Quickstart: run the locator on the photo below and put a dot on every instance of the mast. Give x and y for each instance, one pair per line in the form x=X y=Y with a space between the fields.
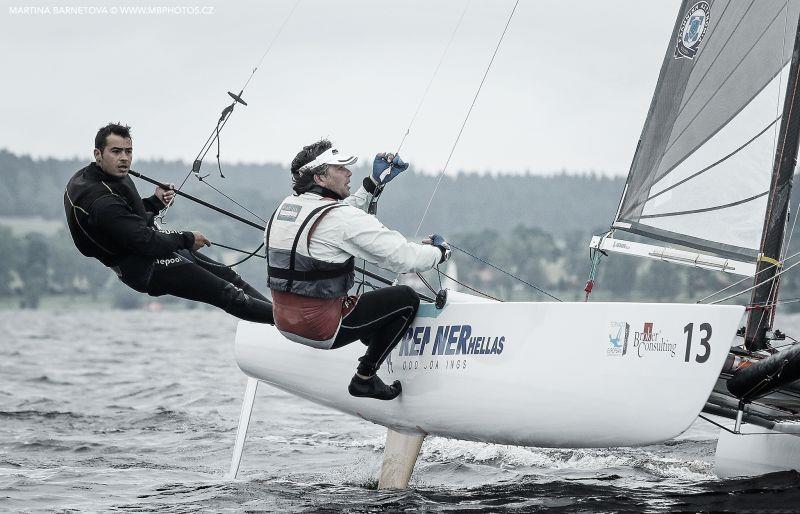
x=762 y=302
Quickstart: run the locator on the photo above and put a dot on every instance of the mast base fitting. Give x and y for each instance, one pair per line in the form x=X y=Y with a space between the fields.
x=776 y=335
x=441 y=298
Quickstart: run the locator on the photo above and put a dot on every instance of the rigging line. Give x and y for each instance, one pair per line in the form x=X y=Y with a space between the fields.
x=773 y=289
x=426 y=283
x=226 y=113
x=466 y=118
x=740 y=433
x=715 y=423
x=774 y=277
x=271 y=43
x=782 y=261
x=232 y=200
x=254 y=253
x=710 y=166
x=504 y=271
x=433 y=77
x=704 y=209
x=470 y=288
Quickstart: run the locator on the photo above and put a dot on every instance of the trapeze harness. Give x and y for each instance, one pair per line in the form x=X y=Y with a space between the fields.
x=309 y=295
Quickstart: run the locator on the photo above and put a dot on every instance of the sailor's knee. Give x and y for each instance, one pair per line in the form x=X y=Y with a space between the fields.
x=231 y=295
x=409 y=296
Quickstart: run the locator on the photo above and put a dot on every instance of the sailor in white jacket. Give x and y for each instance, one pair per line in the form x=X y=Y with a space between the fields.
x=312 y=240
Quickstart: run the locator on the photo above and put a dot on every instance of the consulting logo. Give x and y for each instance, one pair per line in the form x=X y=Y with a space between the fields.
x=618 y=338
x=692 y=31
x=650 y=341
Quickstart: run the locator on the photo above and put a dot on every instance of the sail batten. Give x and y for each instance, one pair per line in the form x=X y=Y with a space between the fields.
x=703 y=164
x=704 y=209
x=709 y=167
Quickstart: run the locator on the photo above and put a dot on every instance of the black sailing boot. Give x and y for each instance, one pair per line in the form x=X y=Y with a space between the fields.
x=373 y=387
x=245 y=307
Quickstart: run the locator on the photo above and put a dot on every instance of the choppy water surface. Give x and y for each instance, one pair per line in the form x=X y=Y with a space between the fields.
x=137 y=411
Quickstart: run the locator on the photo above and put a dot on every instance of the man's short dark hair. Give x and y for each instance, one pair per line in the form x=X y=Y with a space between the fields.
x=112 y=128
x=303 y=182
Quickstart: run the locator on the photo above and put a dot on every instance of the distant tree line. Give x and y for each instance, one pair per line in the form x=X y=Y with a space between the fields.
x=533 y=227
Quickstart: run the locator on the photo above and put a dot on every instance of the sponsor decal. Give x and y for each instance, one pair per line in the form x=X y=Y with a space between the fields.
x=618 y=338
x=167 y=262
x=422 y=348
x=289 y=212
x=648 y=341
x=692 y=31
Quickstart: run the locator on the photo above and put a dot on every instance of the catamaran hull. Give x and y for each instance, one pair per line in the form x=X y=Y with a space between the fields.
x=539 y=374
x=757 y=451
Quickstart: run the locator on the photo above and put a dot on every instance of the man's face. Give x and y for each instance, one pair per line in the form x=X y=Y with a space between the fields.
x=116 y=157
x=337 y=179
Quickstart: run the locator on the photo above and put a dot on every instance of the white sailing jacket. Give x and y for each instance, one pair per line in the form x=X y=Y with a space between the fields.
x=344 y=232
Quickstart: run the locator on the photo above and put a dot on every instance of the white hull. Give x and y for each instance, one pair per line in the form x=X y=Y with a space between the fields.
x=540 y=374
x=757 y=450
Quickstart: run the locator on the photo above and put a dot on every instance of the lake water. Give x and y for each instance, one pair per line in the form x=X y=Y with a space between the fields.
x=137 y=411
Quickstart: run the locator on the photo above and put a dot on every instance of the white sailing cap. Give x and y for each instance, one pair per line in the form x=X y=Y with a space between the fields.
x=331 y=156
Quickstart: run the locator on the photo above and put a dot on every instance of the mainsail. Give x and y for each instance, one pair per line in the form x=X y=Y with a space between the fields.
x=701 y=173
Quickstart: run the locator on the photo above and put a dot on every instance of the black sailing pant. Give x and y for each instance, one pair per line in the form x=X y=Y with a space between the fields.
x=379 y=319
x=196 y=277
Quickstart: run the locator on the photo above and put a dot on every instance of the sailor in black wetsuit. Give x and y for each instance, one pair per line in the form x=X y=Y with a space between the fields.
x=109 y=221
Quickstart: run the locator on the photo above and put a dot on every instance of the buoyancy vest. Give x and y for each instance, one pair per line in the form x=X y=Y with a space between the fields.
x=309 y=295
x=290 y=267
x=85 y=187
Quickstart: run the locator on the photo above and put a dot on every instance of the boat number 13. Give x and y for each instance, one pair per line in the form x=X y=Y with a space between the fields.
x=705 y=332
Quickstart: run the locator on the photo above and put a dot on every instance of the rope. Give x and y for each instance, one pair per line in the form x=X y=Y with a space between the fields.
x=254 y=253
x=774 y=277
x=503 y=271
x=426 y=283
x=468 y=287
x=232 y=200
x=773 y=291
x=466 y=118
x=780 y=263
x=271 y=43
x=595 y=254
x=223 y=120
x=433 y=77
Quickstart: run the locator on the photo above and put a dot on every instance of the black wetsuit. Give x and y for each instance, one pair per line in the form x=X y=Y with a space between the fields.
x=109 y=221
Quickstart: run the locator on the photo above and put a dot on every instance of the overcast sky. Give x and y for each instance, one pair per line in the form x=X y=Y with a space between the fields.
x=570 y=87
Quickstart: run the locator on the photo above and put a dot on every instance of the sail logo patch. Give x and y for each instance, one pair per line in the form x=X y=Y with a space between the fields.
x=618 y=338
x=289 y=212
x=692 y=30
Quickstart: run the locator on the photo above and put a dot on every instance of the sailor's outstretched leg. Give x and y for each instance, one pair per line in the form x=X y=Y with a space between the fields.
x=379 y=319
x=187 y=279
x=244 y=422
x=399 y=457
x=227 y=274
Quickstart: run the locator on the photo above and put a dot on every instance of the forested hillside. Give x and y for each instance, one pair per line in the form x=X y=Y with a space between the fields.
x=534 y=227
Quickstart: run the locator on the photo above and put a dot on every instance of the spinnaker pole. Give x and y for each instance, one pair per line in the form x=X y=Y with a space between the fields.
x=762 y=303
